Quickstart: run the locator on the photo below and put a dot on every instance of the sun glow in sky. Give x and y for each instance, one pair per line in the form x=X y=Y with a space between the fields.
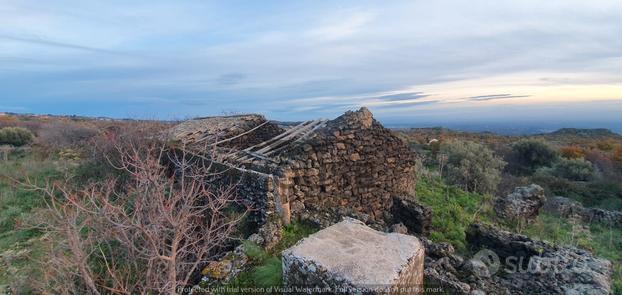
x=428 y=62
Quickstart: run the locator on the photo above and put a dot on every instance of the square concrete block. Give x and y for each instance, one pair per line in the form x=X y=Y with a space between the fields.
x=352 y=258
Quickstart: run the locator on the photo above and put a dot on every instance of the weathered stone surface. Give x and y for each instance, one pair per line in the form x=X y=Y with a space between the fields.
x=504 y=243
x=399 y=228
x=565 y=207
x=437 y=250
x=524 y=203
x=537 y=267
x=566 y=271
x=476 y=268
x=416 y=217
x=351 y=256
x=522 y=266
x=442 y=269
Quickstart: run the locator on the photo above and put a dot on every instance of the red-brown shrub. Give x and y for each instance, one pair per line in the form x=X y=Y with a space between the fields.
x=572 y=152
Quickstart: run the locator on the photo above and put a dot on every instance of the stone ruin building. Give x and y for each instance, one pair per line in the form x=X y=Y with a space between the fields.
x=325 y=170
x=318 y=170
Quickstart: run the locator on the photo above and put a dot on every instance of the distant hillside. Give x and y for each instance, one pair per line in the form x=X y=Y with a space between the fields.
x=517 y=128
x=597 y=132
x=561 y=137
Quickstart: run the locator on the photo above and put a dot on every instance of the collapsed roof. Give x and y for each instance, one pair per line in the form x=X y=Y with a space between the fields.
x=243 y=138
x=214 y=129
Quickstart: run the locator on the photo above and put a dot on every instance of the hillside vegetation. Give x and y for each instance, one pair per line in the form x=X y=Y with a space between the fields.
x=578 y=164
x=458 y=177
x=584 y=165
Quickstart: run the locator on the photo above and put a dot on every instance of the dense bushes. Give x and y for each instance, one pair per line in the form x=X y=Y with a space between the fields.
x=472 y=166
x=65 y=134
x=572 y=152
x=15 y=136
x=531 y=154
x=617 y=155
x=574 y=169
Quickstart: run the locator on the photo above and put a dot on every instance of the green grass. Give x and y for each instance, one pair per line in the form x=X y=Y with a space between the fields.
x=453 y=210
x=20 y=243
x=293 y=233
x=265 y=267
x=264 y=271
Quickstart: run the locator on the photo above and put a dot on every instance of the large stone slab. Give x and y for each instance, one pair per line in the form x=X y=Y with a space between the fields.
x=352 y=258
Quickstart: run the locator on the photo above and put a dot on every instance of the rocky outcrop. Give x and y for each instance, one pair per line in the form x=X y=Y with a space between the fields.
x=351 y=258
x=508 y=263
x=565 y=271
x=527 y=266
x=565 y=207
x=452 y=273
x=524 y=203
x=504 y=243
x=416 y=217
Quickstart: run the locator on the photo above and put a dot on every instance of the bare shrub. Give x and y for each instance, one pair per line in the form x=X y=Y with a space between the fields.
x=101 y=152
x=572 y=152
x=25 y=122
x=65 y=134
x=603 y=163
x=150 y=237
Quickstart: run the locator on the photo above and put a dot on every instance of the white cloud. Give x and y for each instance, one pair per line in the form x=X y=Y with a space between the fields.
x=311 y=57
x=341 y=27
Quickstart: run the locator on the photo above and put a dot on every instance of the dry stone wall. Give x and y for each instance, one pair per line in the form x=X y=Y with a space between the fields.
x=257 y=191
x=351 y=167
x=565 y=207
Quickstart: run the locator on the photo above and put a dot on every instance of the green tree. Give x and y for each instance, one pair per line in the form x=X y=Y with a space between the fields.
x=531 y=154
x=15 y=136
x=472 y=166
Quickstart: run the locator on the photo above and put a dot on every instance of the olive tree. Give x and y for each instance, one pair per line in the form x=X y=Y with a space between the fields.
x=472 y=166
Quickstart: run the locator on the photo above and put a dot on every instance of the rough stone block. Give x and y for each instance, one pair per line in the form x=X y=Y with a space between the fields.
x=352 y=258
x=525 y=202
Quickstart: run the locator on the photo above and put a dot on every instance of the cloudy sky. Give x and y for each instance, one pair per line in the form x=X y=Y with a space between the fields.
x=409 y=61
